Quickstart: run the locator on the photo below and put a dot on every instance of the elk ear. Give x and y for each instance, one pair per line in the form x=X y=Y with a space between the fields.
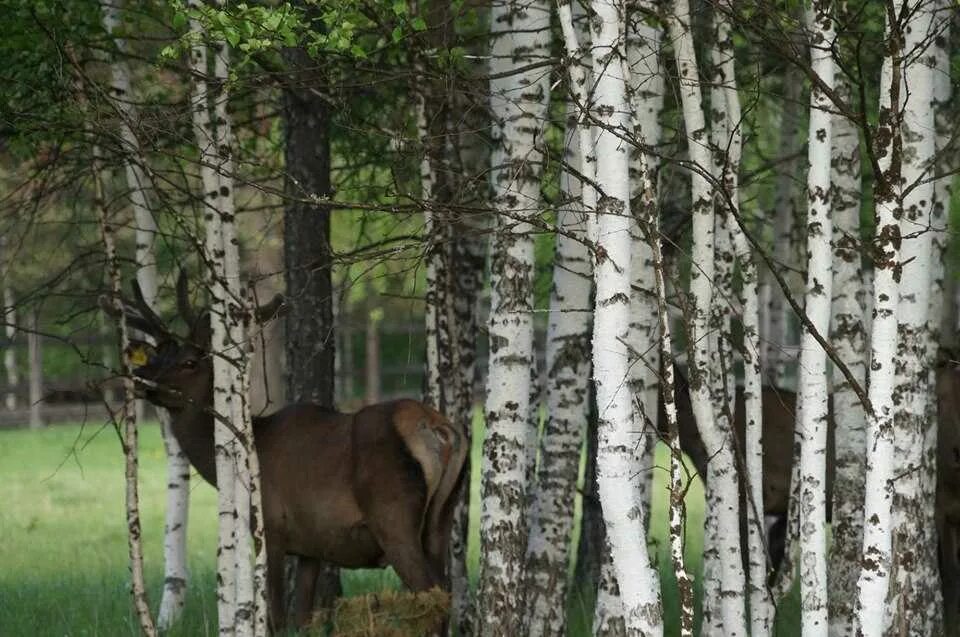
x=201 y=332
x=276 y=308
x=138 y=353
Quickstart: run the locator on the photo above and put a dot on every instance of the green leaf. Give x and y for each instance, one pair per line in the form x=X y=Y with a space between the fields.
x=230 y=35
x=418 y=24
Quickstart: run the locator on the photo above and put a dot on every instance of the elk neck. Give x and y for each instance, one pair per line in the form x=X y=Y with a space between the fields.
x=192 y=426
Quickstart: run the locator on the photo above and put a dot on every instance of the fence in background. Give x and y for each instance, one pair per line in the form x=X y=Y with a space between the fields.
x=69 y=379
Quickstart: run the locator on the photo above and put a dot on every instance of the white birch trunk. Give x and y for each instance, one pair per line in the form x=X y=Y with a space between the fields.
x=943 y=309
x=35 y=361
x=724 y=567
x=787 y=245
x=873 y=583
x=761 y=605
x=617 y=440
x=251 y=608
x=241 y=584
x=223 y=447
x=912 y=574
x=646 y=85
x=178 y=466
x=520 y=34
x=567 y=393
x=127 y=414
x=722 y=487
x=608 y=620
x=848 y=335
x=567 y=363
x=677 y=510
x=812 y=382
x=10 y=330
x=436 y=324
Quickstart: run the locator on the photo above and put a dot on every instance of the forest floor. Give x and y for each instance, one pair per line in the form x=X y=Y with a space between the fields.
x=63 y=555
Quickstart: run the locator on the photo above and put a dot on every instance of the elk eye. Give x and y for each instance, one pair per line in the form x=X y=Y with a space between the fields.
x=189 y=363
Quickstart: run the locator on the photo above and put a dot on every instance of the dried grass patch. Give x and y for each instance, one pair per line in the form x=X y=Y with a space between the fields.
x=385 y=614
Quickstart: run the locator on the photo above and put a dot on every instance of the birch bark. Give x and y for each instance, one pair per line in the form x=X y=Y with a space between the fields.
x=568 y=370
x=873 y=583
x=223 y=448
x=646 y=91
x=760 y=603
x=10 y=330
x=848 y=333
x=812 y=383
x=943 y=308
x=240 y=580
x=722 y=487
x=677 y=512
x=912 y=573
x=786 y=239
x=723 y=569
x=127 y=413
x=520 y=33
x=617 y=441
x=178 y=466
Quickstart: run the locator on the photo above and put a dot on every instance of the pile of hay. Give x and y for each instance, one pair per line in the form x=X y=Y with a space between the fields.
x=384 y=614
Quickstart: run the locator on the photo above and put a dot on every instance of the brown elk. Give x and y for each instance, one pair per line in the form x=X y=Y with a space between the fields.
x=362 y=490
x=779 y=416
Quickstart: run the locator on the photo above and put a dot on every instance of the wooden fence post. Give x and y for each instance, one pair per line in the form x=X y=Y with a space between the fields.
x=36 y=370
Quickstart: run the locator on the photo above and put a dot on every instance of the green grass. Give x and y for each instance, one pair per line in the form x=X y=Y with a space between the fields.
x=63 y=558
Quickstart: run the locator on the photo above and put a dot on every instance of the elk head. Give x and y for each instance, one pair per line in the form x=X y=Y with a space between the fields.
x=174 y=371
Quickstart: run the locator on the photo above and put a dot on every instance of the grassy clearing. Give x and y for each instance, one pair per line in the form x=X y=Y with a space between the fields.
x=63 y=562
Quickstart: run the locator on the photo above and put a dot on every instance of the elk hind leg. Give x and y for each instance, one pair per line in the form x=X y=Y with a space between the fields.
x=400 y=540
x=275 y=587
x=950 y=577
x=395 y=517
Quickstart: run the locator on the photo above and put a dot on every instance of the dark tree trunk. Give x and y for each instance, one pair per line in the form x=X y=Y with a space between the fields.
x=307 y=257
x=592 y=531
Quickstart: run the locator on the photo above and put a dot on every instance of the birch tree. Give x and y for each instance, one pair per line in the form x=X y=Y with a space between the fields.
x=812 y=383
x=567 y=363
x=520 y=33
x=727 y=106
x=942 y=313
x=848 y=333
x=649 y=223
x=617 y=440
x=786 y=240
x=128 y=417
x=178 y=466
x=10 y=330
x=646 y=92
x=721 y=379
x=241 y=586
x=873 y=582
x=912 y=570
x=722 y=483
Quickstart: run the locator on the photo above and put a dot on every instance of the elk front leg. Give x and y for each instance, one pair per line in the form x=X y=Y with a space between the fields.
x=308 y=569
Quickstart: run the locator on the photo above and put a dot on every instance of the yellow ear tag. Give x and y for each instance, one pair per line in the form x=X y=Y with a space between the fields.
x=137 y=356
